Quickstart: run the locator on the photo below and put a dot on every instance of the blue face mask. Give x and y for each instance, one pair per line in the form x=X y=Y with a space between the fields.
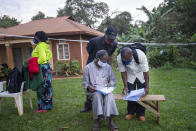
x=127 y=62
x=35 y=40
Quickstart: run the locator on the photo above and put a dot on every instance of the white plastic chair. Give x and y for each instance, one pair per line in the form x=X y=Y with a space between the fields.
x=18 y=97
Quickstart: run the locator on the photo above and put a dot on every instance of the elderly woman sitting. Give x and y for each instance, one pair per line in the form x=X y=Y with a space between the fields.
x=99 y=74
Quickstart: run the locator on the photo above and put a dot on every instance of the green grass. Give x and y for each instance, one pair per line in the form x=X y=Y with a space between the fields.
x=178 y=112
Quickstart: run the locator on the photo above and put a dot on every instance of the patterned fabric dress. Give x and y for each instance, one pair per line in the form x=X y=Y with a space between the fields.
x=45 y=101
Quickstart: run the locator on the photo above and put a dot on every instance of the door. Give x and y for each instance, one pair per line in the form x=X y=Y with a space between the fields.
x=17 y=53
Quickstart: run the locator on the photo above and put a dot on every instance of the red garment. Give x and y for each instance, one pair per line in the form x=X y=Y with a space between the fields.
x=33 y=66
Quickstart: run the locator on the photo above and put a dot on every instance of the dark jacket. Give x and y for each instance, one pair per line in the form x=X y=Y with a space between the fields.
x=98 y=43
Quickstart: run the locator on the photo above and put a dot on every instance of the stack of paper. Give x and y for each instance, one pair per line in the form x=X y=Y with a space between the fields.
x=105 y=90
x=134 y=95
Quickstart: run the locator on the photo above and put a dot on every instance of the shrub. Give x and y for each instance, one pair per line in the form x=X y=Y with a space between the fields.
x=60 y=67
x=68 y=68
x=1 y=73
x=193 y=38
x=75 y=67
x=158 y=57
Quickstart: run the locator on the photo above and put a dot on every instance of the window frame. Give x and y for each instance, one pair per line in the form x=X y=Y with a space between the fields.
x=63 y=51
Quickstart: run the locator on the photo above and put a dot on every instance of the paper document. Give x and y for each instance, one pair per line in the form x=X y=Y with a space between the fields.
x=134 y=95
x=105 y=90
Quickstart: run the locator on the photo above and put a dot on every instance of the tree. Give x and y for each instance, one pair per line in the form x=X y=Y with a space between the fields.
x=6 y=21
x=38 y=16
x=121 y=21
x=156 y=15
x=86 y=12
x=105 y=23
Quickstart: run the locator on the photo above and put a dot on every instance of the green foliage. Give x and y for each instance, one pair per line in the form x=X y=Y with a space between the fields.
x=193 y=38
x=6 y=21
x=167 y=56
x=4 y=71
x=87 y=12
x=68 y=68
x=185 y=11
x=75 y=67
x=193 y=64
x=171 y=21
x=1 y=73
x=159 y=57
x=121 y=21
x=38 y=16
x=136 y=34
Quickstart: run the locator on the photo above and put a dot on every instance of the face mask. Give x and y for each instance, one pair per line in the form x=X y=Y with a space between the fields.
x=127 y=63
x=101 y=64
x=35 y=40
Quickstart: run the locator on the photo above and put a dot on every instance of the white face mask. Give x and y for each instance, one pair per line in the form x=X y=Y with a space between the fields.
x=101 y=64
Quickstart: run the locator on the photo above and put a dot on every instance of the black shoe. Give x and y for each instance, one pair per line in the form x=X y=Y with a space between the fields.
x=85 y=110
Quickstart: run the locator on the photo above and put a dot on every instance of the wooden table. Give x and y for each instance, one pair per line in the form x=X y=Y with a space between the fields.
x=150 y=102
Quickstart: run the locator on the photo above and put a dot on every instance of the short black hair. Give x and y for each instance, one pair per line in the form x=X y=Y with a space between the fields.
x=42 y=36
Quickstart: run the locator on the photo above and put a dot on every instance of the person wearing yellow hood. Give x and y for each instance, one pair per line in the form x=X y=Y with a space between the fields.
x=44 y=54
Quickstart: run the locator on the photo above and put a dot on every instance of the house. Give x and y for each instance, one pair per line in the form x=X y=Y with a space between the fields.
x=14 y=49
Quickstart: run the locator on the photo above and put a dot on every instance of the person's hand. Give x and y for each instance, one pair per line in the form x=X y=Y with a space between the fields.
x=91 y=89
x=146 y=92
x=125 y=90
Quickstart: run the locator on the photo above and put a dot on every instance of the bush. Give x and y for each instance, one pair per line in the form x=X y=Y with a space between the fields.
x=68 y=68
x=193 y=38
x=158 y=57
x=1 y=73
x=75 y=67
x=60 y=67
x=4 y=71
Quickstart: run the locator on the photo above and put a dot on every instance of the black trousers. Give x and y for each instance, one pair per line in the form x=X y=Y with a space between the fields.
x=133 y=107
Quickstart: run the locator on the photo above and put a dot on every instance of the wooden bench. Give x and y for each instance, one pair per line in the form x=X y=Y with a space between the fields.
x=150 y=102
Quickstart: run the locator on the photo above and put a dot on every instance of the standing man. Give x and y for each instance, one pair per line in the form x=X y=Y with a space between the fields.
x=134 y=74
x=106 y=42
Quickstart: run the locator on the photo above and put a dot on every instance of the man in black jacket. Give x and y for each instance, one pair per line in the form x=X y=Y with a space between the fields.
x=106 y=42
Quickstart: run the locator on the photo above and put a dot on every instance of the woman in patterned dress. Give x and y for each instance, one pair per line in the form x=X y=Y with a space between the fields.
x=44 y=54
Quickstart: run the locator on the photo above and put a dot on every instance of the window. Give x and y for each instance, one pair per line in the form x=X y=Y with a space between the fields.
x=63 y=51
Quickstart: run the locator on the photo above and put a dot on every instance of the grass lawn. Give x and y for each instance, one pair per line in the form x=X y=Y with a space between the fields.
x=178 y=112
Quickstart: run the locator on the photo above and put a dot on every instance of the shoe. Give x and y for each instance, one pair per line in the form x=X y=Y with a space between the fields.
x=142 y=118
x=129 y=117
x=39 y=111
x=84 y=110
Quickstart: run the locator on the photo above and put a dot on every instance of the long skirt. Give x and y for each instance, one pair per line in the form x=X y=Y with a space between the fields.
x=45 y=100
x=104 y=105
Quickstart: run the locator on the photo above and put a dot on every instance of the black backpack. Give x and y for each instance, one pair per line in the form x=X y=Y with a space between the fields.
x=14 y=81
x=134 y=47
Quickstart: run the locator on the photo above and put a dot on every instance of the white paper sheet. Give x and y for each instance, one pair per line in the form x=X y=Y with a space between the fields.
x=105 y=90
x=134 y=95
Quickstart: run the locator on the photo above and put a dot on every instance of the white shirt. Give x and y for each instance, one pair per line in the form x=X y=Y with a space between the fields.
x=134 y=70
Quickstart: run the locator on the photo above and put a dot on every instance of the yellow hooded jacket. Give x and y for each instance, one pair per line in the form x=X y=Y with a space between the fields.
x=42 y=51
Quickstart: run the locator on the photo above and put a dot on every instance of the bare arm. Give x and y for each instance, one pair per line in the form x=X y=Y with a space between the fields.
x=146 y=77
x=124 y=78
